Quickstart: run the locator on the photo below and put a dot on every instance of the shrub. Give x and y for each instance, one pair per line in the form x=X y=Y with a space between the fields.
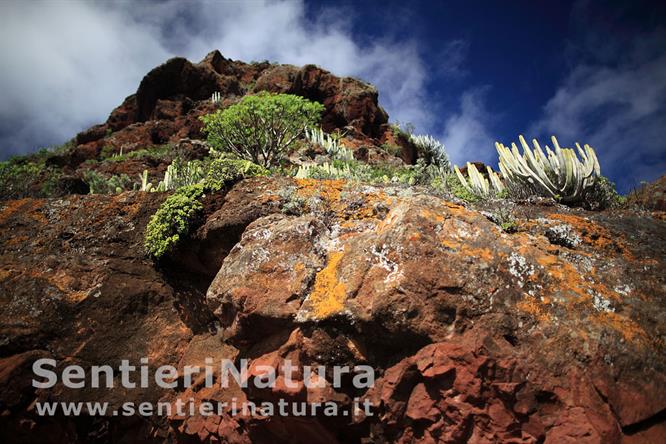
x=261 y=127
x=603 y=195
x=17 y=178
x=175 y=217
x=33 y=175
x=99 y=184
x=393 y=149
x=172 y=220
x=221 y=171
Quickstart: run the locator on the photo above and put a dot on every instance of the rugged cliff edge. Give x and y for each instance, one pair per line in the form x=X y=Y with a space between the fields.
x=553 y=332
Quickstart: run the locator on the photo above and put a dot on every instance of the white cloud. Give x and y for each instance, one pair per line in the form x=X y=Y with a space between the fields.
x=465 y=133
x=67 y=64
x=619 y=108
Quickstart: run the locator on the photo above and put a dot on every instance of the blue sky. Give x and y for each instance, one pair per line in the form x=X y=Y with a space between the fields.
x=467 y=72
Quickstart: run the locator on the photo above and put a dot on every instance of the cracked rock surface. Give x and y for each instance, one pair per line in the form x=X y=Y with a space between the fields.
x=552 y=333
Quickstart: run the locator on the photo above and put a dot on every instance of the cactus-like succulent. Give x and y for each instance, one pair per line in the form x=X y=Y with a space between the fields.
x=324 y=171
x=145 y=183
x=560 y=173
x=332 y=146
x=477 y=183
x=431 y=150
x=177 y=175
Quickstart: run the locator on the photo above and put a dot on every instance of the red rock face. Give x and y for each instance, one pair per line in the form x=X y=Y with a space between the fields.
x=172 y=97
x=552 y=333
x=548 y=334
x=651 y=196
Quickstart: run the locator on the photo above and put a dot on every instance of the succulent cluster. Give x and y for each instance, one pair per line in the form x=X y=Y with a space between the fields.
x=177 y=174
x=330 y=144
x=560 y=173
x=479 y=184
x=557 y=173
x=431 y=150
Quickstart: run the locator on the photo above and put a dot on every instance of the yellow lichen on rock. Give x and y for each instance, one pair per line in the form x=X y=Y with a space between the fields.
x=329 y=294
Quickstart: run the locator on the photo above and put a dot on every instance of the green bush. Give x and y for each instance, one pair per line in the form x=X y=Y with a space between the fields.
x=453 y=185
x=603 y=195
x=172 y=220
x=17 y=178
x=175 y=217
x=31 y=175
x=99 y=184
x=261 y=127
x=221 y=171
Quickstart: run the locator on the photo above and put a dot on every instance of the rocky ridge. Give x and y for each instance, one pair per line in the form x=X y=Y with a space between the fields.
x=553 y=332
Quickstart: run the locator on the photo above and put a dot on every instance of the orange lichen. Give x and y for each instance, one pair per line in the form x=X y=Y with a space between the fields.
x=329 y=191
x=23 y=206
x=4 y=274
x=414 y=236
x=594 y=234
x=628 y=328
x=427 y=213
x=329 y=294
x=531 y=305
x=480 y=253
x=579 y=292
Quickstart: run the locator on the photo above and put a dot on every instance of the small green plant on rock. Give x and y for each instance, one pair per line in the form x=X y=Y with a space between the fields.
x=224 y=170
x=99 y=184
x=453 y=185
x=261 y=127
x=175 y=217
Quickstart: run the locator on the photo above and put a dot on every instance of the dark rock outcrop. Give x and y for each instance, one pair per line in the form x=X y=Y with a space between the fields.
x=171 y=97
x=475 y=335
x=551 y=333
